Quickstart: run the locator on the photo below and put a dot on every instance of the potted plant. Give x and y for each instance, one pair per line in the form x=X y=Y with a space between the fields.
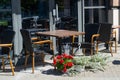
x=63 y=62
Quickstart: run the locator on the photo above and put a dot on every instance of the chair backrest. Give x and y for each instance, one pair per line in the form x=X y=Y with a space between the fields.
x=90 y=29
x=27 y=23
x=105 y=30
x=6 y=37
x=27 y=42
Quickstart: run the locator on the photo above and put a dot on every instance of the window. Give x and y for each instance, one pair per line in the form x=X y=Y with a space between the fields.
x=95 y=2
x=95 y=11
x=95 y=15
x=5 y=13
x=35 y=8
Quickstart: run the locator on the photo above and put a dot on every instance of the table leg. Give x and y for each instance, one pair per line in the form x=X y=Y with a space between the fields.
x=59 y=46
x=73 y=40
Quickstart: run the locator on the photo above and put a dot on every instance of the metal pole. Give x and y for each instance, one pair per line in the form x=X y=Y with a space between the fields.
x=52 y=23
x=80 y=24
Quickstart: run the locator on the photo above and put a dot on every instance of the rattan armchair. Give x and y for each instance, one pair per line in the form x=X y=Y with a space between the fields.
x=29 y=49
x=104 y=32
x=96 y=34
x=6 y=44
x=88 y=43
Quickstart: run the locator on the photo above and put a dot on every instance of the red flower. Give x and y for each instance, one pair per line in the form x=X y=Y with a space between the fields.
x=59 y=57
x=54 y=61
x=63 y=62
x=69 y=64
x=65 y=65
x=65 y=69
x=64 y=55
x=70 y=57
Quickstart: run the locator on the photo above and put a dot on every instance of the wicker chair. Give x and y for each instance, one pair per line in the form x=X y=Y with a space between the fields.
x=88 y=44
x=6 y=44
x=104 y=35
x=29 y=50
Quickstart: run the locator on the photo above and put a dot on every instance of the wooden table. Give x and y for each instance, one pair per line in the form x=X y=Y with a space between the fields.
x=60 y=34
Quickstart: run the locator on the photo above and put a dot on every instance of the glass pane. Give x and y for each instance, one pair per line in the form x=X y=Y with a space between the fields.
x=95 y=15
x=5 y=13
x=95 y=2
x=5 y=4
x=67 y=7
x=38 y=8
x=73 y=8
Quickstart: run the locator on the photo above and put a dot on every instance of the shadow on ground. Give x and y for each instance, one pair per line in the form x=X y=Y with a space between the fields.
x=52 y=72
x=38 y=62
x=116 y=62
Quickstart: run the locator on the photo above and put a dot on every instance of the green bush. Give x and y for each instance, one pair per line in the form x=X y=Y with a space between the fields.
x=89 y=63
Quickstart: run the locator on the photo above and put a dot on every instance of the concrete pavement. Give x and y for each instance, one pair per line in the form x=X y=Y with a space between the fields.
x=112 y=72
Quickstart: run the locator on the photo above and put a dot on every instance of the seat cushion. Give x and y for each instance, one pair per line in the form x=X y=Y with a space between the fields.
x=86 y=45
x=82 y=45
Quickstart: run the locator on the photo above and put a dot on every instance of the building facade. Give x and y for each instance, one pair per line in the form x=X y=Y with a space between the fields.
x=86 y=11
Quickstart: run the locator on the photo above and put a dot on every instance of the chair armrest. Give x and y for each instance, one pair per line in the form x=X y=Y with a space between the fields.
x=5 y=45
x=34 y=38
x=42 y=42
x=114 y=33
x=94 y=36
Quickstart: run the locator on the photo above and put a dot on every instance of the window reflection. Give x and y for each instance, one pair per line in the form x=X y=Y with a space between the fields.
x=5 y=13
x=95 y=2
x=97 y=16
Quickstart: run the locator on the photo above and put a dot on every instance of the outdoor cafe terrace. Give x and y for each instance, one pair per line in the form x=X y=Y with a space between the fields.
x=111 y=72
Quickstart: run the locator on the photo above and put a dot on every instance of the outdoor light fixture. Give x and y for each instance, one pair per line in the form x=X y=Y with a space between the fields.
x=114 y=3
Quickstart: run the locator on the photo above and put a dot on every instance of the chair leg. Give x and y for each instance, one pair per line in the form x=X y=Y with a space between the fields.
x=51 y=46
x=115 y=43
x=111 y=50
x=115 y=46
x=72 y=51
x=84 y=50
x=91 y=50
x=43 y=56
x=73 y=40
x=3 y=64
x=97 y=48
x=33 y=62
x=26 y=59
x=11 y=65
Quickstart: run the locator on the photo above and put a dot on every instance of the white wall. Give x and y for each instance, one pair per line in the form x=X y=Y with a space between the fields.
x=116 y=20
x=113 y=17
